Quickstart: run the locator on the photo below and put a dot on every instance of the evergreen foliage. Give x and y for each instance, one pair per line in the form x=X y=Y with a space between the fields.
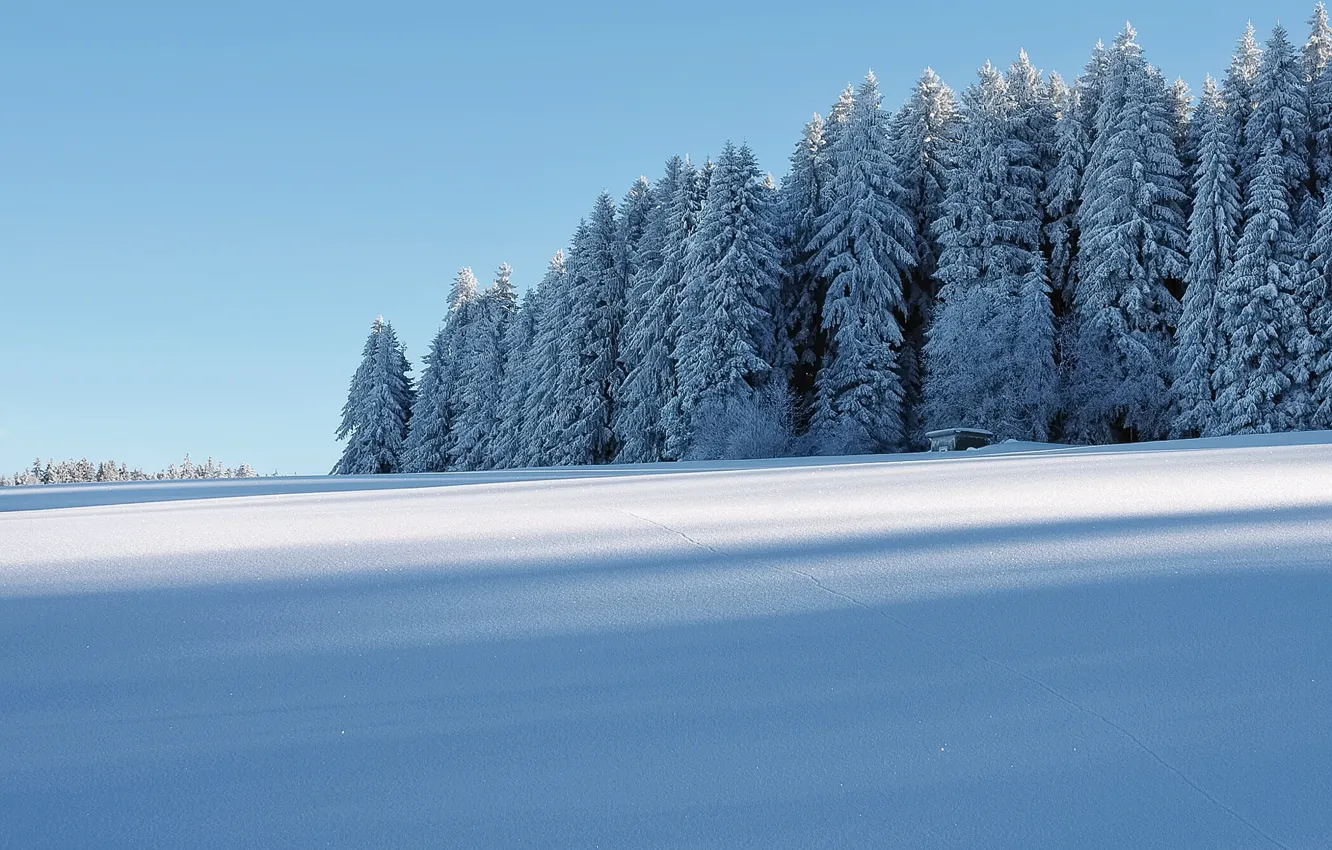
x=379 y=405
x=1131 y=255
x=865 y=243
x=990 y=354
x=1101 y=262
x=1213 y=229
x=649 y=337
x=732 y=275
x=429 y=442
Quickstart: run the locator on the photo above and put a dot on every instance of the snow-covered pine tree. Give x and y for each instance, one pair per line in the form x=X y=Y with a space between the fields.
x=637 y=263
x=865 y=243
x=1181 y=109
x=477 y=423
x=1237 y=91
x=1090 y=86
x=592 y=336
x=1320 y=121
x=924 y=136
x=1317 y=54
x=1316 y=297
x=1280 y=112
x=1318 y=49
x=428 y=442
x=1035 y=111
x=1213 y=229
x=832 y=128
x=1131 y=253
x=379 y=404
x=726 y=318
x=648 y=339
x=547 y=365
x=990 y=352
x=799 y=205
x=635 y=211
x=509 y=446
x=1063 y=195
x=1260 y=383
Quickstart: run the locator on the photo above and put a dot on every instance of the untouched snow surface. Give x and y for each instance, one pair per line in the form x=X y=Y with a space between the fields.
x=1126 y=647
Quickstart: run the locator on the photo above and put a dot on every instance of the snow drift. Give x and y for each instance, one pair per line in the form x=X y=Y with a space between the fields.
x=1050 y=648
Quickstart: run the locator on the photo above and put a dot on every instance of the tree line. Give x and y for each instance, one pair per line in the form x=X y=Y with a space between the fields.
x=1098 y=262
x=84 y=471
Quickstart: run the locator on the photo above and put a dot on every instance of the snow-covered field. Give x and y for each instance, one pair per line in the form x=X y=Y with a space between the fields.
x=1126 y=647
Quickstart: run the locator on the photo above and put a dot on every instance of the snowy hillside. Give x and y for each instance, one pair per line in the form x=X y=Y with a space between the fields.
x=1114 y=647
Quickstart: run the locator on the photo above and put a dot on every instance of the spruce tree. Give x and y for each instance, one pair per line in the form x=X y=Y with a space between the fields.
x=1318 y=49
x=547 y=365
x=799 y=205
x=1237 y=91
x=1317 y=302
x=427 y=448
x=727 y=304
x=591 y=342
x=990 y=354
x=1181 y=112
x=379 y=403
x=653 y=302
x=477 y=423
x=924 y=136
x=1131 y=254
x=515 y=411
x=1213 y=229
x=1280 y=113
x=864 y=243
x=1261 y=385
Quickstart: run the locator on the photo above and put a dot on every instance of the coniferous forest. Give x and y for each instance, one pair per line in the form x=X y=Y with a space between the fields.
x=1101 y=261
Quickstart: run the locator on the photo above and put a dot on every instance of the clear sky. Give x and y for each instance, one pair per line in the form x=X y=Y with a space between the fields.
x=204 y=206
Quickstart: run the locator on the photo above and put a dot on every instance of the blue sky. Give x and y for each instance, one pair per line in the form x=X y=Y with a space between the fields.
x=203 y=209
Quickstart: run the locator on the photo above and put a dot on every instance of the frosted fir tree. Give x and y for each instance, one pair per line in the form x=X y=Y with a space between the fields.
x=1035 y=110
x=508 y=446
x=1131 y=253
x=591 y=340
x=1320 y=126
x=727 y=305
x=1318 y=49
x=547 y=364
x=1090 y=86
x=635 y=211
x=1316 y=297
x=1213 y=230
x=1237 y=91
x=990 y=351
x=1280 y=114
x=832 y=128
x=477 y=423
x=924 y=136
x=1063 y=196
x=427 y=448
x=1261 y=383
x=1181 y=110
x=636 y=262
x=378 y=409
x=1317 y=53
x=864 y=244
x=649 y=336
x=799 y=205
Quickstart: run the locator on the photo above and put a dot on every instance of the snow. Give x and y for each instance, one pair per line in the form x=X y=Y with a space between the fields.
x=1041 y=647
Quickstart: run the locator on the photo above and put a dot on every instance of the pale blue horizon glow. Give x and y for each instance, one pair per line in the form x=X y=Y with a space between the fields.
x=203 y=210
